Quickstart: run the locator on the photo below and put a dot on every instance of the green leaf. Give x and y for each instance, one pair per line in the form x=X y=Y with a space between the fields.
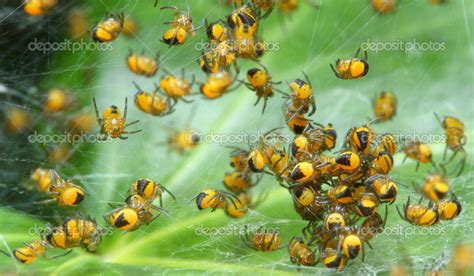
x=424 y=82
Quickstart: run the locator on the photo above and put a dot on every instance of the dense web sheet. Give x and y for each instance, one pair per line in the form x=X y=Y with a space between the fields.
x=171 y=244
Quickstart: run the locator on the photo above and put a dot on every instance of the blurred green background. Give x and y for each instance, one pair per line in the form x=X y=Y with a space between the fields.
x=308 y=40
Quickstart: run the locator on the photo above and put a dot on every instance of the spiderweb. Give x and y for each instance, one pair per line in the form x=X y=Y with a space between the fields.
x=308 y=41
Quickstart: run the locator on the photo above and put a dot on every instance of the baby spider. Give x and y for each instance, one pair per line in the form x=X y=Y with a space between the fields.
x=260 y=81
x=112 y=124
x=300 y=253
x=64 y=192
x=108 y=29
x=181 y=26
x=31 y=251
x=135 y=212
x=38 y=7
x=383 y=6
x=155 y=103
x=419 y=152
x=177 y=87
x=215 y=199
x=354 y=68
x=261 y=239
x=143 y=65
x=385 y=105
x=301 y=100
x=455 y=140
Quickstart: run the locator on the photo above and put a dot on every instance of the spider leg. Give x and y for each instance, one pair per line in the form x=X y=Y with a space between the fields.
x=400 y=213
x=132 y=123
x=297 y=112
x=461 y=163
x=357 y=53
x=313 y=108
x=168 y=7
x=187 y=101
x=264 y=105
x=132 y=132
x=197 y=28
x=258 y=100
x=57 y=256
x=452 y=157
x=334 y=70
x=47 y=201
x=307 y=79
x=6 y=253
x=99 y=119
x=125 y=110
